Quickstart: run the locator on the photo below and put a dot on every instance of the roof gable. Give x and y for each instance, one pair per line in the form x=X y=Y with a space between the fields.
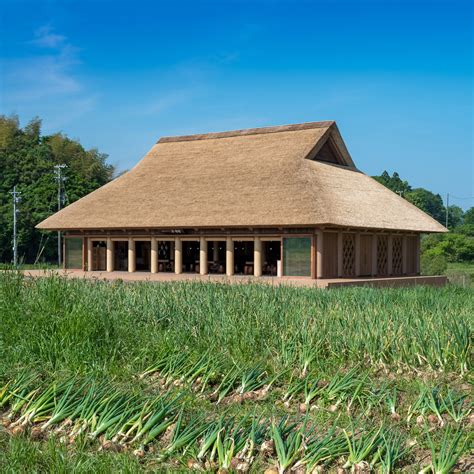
x=328 y=154
x=331 y=149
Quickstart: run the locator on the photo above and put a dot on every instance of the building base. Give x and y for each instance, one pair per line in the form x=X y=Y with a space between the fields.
x=387 y=282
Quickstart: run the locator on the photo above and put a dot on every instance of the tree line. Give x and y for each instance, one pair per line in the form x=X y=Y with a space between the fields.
x=27 y=160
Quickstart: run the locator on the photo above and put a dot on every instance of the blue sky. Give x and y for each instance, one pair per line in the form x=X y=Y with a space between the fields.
x=395 y=75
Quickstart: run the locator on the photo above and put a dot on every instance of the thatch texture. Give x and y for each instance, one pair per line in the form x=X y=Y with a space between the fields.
x=247 y=178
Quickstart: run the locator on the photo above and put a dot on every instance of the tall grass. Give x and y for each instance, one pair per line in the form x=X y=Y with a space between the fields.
x=216 y=376
x=78 y=325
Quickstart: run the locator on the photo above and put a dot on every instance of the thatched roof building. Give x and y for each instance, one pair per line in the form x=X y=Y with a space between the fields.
x=264 y=182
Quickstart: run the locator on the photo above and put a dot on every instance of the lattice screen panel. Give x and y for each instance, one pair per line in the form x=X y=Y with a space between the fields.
x=382 y=255
x=348 y=255
x=397 y=255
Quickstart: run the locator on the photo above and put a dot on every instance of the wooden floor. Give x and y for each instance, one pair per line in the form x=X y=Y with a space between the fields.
x=292 y=281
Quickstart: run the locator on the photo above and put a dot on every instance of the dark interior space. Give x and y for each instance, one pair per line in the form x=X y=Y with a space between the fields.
x=165 y=256
x=271 y=254
x=121 y=256
x=142 y=256
x=190 y=256
x=216 y=257
x=99 y=255
x=243 y=257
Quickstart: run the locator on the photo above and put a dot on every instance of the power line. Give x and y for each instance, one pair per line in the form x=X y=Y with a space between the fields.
x=60 y=178
x=16 y=200
x=465 y=197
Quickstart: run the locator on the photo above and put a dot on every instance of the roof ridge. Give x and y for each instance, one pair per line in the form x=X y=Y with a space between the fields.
x=248 y=131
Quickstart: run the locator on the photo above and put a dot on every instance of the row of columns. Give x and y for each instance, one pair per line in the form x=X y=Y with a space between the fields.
x=318 y=243
x=178 y=256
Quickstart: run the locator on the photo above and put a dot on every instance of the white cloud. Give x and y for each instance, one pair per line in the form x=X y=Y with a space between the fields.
x=167 y=101
x=46 y=38
x=47 y=82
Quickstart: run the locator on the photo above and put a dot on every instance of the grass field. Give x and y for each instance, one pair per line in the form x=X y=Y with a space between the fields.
x=113 y=377
x=461 y=274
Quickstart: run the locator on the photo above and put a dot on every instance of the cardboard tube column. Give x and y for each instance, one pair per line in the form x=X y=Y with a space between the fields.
x=131 y=255
x=154 y=255
x=319 y=254
x=178 y=256
x=229 y=257
x=110 y=255
x=202 y=256
x=257 y=257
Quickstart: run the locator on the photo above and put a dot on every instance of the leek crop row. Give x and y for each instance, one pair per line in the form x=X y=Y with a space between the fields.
x=346 y=388
x=81 y=407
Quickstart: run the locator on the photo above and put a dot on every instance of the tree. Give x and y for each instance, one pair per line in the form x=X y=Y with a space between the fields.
x=429 y=202
x=394 y=182
x=469 y=216
x=454 y=247
x=27 y=160
x=455 y=216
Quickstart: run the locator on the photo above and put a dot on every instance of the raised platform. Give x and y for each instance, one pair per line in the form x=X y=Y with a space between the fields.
x=393 y=282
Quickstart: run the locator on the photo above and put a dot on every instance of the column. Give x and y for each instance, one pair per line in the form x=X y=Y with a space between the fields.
x=374 y=254
x=202 y=256
x=154 y=255
x=229 y=257
x=110 y=255
x=89 y=254
x=340 y=257
x=404 y=255
x=390 y=255
x=178 y=256
x=131 y=255
x=319 y=254
x=357 y=254
x=257 y=257
x=417 y=254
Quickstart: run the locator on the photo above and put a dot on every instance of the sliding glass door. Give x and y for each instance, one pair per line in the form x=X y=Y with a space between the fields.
x=297 y=256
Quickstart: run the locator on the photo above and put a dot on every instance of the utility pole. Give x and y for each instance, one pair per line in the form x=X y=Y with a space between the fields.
x=16 y=200
x=60 y=178
x=447 y=210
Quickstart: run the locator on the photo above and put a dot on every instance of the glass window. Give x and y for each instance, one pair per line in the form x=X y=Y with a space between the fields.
x=73 y=253
x=297 y=256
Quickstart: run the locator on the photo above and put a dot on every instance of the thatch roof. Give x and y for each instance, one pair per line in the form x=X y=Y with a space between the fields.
x=247 y=178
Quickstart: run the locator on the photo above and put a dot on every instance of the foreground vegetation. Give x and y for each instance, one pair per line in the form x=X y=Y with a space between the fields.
x=102 y=377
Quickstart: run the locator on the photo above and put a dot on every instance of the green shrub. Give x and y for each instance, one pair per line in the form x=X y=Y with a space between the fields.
x=453 y=246
x=433 y=263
